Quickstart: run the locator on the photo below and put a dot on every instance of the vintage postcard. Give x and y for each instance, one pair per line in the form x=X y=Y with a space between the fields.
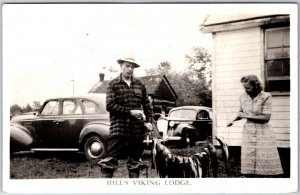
x=150 y=98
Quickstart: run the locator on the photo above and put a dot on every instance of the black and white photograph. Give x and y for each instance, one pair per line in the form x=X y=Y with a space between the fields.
x=150 y=97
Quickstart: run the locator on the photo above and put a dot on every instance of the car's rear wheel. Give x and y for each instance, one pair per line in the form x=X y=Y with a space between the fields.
x=94 y=148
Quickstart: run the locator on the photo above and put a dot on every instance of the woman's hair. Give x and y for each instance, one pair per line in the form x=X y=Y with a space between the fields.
x=254 y=81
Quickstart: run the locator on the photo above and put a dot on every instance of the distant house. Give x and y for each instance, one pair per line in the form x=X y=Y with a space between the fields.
x=158 y=87
x=250 y=44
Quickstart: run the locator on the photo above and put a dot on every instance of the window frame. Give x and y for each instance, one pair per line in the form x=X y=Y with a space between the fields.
x=277 y=78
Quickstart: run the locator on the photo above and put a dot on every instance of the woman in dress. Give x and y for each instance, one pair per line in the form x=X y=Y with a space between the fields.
x=259 y=156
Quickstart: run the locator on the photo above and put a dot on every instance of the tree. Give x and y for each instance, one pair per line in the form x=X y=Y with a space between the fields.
x=163 y=67
x=15 y=109
x=200 y=63
x=36 y=105
x=193 y=85
x=185 y=88
x=200 y=70
x=27 y=108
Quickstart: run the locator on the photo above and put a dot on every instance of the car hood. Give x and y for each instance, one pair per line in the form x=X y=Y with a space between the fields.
x=176 y=119
x=19 y=118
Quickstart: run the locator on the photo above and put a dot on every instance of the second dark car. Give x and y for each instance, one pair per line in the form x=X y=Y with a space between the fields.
x=186 y=124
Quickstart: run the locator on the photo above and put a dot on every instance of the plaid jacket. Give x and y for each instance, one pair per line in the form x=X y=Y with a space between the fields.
x=120 y=99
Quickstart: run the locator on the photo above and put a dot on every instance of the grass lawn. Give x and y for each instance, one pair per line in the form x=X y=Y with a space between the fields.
x=46 y=165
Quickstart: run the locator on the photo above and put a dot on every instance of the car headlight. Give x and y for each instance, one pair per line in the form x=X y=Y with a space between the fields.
x=172 y=123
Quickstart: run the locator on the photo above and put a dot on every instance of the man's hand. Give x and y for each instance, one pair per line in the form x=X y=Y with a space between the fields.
x=149 y=126
x=138 y=114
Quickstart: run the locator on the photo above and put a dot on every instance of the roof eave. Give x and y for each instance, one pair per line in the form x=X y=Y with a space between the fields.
x=245 y=23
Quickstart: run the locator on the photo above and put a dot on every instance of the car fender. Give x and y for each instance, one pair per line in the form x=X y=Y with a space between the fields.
x=20 y=138
x=94 y=128
x=180 y=127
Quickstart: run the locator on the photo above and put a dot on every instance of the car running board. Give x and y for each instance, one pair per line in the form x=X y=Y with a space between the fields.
x=56 y=149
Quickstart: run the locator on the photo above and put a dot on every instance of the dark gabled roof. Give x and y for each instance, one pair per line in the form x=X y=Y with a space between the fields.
x=151 y=82
x=162 y=88
x=157 y=85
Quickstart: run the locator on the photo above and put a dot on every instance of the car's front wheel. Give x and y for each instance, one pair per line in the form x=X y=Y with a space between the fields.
x=94 y=148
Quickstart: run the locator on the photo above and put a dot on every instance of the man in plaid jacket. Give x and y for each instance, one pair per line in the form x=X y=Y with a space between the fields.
x=130 y=116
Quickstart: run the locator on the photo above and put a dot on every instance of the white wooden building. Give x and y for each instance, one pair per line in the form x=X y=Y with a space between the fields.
x=247 y=44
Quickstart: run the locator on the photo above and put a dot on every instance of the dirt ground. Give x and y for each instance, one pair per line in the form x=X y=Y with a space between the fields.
x=59 y=165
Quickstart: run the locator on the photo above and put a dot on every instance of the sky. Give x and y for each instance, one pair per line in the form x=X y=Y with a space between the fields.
x=51 y=50
x=48 y=48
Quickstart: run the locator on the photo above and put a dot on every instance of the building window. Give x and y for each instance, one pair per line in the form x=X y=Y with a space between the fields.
x=277 y=59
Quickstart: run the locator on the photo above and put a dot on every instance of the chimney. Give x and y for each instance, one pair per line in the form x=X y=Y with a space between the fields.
x=101 y=76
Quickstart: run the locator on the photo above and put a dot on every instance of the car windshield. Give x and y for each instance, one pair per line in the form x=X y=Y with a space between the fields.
x=187 y=114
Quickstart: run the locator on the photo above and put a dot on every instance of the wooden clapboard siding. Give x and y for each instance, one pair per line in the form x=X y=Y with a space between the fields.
x=281 y=108
x=282 y=136
x=235 y=54
x=279 y=127
x=283 y=144
x=238 y=34
x=280 y=115
x=226 y=74
x=280 y=120
x=226 y=67
x=280 y=124
x=238 y=60
x=227 y=92
x=281 y=101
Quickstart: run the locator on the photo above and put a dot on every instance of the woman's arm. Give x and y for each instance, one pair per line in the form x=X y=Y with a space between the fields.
x=261 y=118
x=237 y=118
x=256 y=118
x=265 y=114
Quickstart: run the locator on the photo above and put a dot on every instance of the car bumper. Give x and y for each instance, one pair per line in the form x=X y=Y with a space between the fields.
x=169 y=139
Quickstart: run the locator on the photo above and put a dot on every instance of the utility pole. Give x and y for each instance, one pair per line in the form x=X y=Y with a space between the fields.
x=73 y=85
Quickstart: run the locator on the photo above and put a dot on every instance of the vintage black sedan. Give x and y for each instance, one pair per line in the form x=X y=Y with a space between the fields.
x=77 y=123
x=186 y=124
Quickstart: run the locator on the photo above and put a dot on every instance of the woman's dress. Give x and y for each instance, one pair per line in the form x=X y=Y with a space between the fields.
x=259 y=151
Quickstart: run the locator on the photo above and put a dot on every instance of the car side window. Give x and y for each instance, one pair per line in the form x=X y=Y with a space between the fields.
x=90 y=107
x=51 y=108
x=71 y=107
x=202 y=115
